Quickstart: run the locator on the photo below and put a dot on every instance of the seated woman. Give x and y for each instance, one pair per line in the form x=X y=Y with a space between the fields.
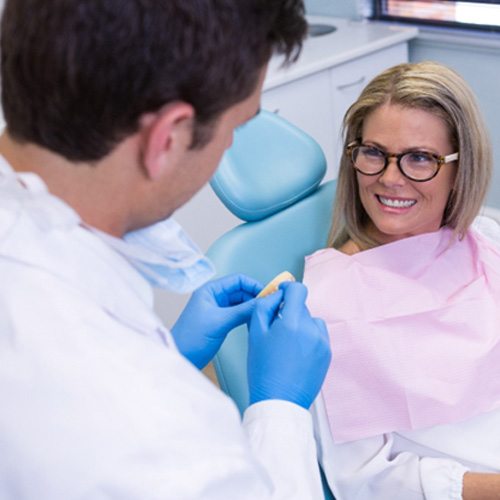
x=410 y=291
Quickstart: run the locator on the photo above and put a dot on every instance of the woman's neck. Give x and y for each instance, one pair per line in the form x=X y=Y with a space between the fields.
x=349 y=248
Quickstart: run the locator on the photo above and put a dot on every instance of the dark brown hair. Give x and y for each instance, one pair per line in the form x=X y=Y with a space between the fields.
x=78 y=74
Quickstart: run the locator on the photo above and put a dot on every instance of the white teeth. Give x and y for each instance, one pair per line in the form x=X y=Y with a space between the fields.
x=389 y=202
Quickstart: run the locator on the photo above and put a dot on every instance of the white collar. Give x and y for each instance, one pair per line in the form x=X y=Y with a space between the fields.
x=61 y=246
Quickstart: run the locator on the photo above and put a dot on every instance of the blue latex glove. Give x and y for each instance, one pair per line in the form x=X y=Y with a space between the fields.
x=289 y=351
x=211 y=313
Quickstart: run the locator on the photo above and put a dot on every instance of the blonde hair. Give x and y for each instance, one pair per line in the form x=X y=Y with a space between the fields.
x=437 y=89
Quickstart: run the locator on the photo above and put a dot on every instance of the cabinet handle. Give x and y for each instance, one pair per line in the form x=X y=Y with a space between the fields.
x=351 y=84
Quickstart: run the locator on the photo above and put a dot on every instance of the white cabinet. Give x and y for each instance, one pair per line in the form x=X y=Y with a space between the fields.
x=349 y=79
x=307 y=103
x=317 y=103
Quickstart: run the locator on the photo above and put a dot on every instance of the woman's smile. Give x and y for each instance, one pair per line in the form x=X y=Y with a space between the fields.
x=395 y=202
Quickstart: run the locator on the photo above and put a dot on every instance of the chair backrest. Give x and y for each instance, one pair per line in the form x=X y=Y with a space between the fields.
x=270 y=178
x=271 y=165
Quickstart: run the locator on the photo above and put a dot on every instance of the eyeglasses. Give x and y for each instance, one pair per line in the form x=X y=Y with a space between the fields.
x=419 y=166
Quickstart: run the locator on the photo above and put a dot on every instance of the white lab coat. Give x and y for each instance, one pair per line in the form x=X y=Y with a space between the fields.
x=425 y=464
x=96 y=402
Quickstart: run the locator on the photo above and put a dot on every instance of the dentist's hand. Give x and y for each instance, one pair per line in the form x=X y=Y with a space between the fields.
x=211 y=313
x=289 y=351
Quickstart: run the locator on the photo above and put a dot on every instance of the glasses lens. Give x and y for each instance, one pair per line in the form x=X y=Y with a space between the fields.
x=368 y=160
x=419 y=165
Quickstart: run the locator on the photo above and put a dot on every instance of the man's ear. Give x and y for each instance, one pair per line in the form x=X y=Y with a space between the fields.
x=166 y=135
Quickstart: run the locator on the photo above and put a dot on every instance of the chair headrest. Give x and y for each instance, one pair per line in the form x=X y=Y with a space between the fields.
x=272 y=164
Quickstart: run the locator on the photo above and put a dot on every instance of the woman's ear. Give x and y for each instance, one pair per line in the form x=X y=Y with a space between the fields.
x=166 y=135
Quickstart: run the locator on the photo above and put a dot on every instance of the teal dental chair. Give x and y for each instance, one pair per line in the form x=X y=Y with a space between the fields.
x=270 y=178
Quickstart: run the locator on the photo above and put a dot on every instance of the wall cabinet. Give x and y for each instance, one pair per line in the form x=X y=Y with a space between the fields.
x=307 y=103
x=317 y=103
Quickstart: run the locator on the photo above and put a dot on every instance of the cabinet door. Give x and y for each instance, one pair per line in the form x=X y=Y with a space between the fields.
x=349 y=79
x=306 y=103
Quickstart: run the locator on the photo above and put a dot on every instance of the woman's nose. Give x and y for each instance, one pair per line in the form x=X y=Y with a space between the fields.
x=392 y=176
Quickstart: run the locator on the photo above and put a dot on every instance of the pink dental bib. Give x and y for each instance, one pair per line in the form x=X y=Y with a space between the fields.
x=415 y=332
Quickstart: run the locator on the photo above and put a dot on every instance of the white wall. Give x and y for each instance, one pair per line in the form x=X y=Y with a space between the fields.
x=336 y=8
x=480 y=66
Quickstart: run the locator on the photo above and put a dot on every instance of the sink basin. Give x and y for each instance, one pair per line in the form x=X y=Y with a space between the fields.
x=315 y=29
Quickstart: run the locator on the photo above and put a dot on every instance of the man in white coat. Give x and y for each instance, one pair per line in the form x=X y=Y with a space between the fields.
x=117 y=112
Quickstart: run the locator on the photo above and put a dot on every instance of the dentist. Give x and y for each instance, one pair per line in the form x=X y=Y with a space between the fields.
x=117 y=112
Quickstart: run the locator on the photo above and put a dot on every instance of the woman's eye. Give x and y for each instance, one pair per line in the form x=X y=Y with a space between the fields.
x=373 y=152
x=420 y=157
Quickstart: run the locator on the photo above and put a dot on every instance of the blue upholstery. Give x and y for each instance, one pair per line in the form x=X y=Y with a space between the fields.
x=271 y=165
x=263 y=249
x=295 y=224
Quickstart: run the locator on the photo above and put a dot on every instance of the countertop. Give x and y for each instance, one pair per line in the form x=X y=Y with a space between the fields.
x=351 y=40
